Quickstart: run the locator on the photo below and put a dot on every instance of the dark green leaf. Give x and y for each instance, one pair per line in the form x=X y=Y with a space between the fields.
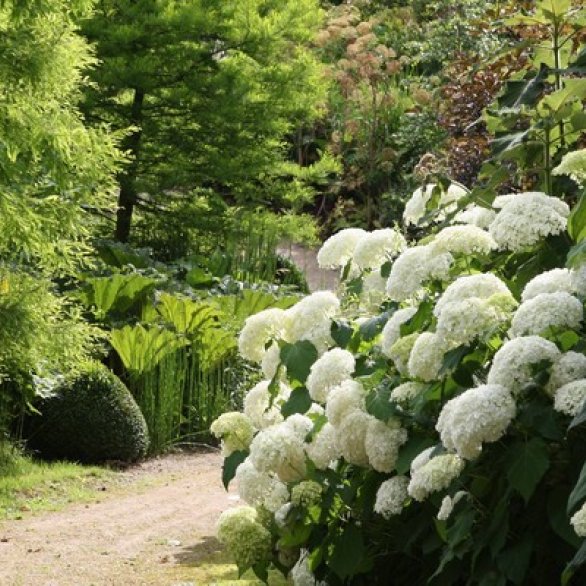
x=514 y=561
x=347 y=552
x=199 y=278
x=298 y=359
x=526 y=463
x=297 y=536
x=421 y=318
x=579 y=493
x=371 y=328
x=576 y=255
x=412 y=448
x=341 y=333
x=579 y=419
x=378 y=402
x=230 y=464
x=261 y=571
x=523 y=92
x=298 y=402
x=385 y=270
x=453 y=358
x=578 y=560
x=558 y=518
x=577 y=220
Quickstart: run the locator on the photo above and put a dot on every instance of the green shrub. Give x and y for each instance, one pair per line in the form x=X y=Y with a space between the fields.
x=91 y=417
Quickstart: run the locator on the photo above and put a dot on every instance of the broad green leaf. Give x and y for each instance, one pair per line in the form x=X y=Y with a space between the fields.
x=577 y=220
x=199 y=278
x=298 y=402
x=514 y=561
x=347 y=552
x=298 y=359
x=574 y=89
x=579 y=419
x=378 y=402
x=526 y=463
x=412 y=448
x=230 y=464
x=371 y=328
x=577 y=561
x=578 y=494
x=576 y=255
x=453 y=358
x=341 y=333
x=524 y=92
x=558 y=518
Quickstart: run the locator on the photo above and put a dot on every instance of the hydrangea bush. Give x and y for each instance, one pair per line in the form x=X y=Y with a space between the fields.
x=437 y=437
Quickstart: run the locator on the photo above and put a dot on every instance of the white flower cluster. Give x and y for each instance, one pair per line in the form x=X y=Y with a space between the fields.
x=333 y=368
x=377 y=247
x=416 y=206
x=323 y=449
x=527 y=218
x=301 y=574
x=348 y=397
x=338 y=249
x=391 y=496
x=426 y=358
x=578 y=521
x=401 y=351
x=546 y=311
x=260 y=488
x=570 y=398
x=258 y=330
x=392 y=330
x=464 y=240
x=448 y=504
x=476 y=216
x=574 y=165
x=306 y=493
x=245 y=538
x=569 y=367
x=433 y=475
x=258 y=407
x=235 y=430
x=406 y=392
x=554 y=281
x=475 y=417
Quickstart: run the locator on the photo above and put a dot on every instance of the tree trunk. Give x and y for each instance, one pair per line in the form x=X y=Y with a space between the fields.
x=127 y=178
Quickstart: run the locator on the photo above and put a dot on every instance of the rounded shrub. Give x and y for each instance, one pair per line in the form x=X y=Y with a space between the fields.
x=91 y=417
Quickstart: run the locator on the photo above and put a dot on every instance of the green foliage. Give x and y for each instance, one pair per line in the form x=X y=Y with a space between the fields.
x=91 y=417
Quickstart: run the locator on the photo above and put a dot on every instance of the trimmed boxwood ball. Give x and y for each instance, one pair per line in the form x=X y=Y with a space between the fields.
x=92 y=417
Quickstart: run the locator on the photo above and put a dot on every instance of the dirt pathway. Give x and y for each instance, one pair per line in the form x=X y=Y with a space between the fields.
x=151 y=525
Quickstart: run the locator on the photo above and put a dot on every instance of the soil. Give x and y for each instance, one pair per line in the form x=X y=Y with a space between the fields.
x=152 y=524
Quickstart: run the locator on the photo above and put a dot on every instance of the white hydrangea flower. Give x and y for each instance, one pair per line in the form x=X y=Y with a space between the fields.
x=235 y=430
x=415 y=208
x=464 y=240
x=421 y=459
x=554 y=281
x=391 y=496
x=406 y=392
x=324 y=449
x=414 y=267
x=477 y=416
x=476 y=216
x=306 y=493
x=547 y=310
x=375 y=248
x=279 y=449
x=482 y=286
x=374 y=290
x=578 y=521
x=311 y=318
x=281 y=515
x=351 y=437
x=527 y=218
x=382 y=443
x=401 y=351
x=257 y=401
x=426 y=358
x=437 y=474
x=260 y=488
x=344 y=399
x=301 y=574
x=448 y=504
x=569 y=367
x=338 y=249
x=329 y=371
x=578 y=277
x=259 y=329
x=570 y=398
x=300 y=425
x=573 y=164
x=270 y=362
x=511 y=366
x=392 y=330
x=244 y=537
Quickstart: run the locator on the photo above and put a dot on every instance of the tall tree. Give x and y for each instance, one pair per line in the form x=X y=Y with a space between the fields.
x=206 y=90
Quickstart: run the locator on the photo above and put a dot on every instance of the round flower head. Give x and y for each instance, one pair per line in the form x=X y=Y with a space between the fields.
x=391 y=496
x=421 y=459
x=547 y=310
x=300 y=425
x=351 y=436
x=426 y=358
x=260 y=489
x=414 y=268
x=257 y=404
x=270 y=362
x=569 y=367
x=323 y=449
x=280 y=450
x=375 y=248
x=478 y=416
x=416 y=207
x=578 y=521
x=511 y=366
x=464 y=240
x=526 y=219
x=306 y=493
x=338 y=249
x=382 y=443
x=406 y=392
x=310 y=319
x=475 y=216
x=259 y=329
x=435 y=475
x=392 y=330
x=401 y=351
x=301 y=574
x=235 y=430
x=329 y=371
x=570 y=398
x=578 y=278
x=244 y=537
x=448 y=504
x=574 y=165
x=344 y=399
x=554 y=281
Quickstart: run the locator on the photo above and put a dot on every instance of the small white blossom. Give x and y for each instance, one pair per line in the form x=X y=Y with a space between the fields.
x=426 y=358
x=466 y=240
x=527 y=218
x=554 y=281
x=448 y=504
x=257 y=405
x=421 y=459
x=301 y=574
x=323 y=449
x=569 y=367
x=578 y=521
x=570 y=398
x=511 y=366
x=477 y=416
x=351 y=437
x=391 y=496
x=578 y=277
x=271 y=360
x=406 y=392
x=392 y=330
x=416 y=206
x=329 y=371
x=547 y=310
x=375 y=248
x=344 y=399
x=382 y=443
x=259 y=329
x=437 y=474
x=260 y=488
x=573 y=165
x=476 y=216
x=235 y=430
x=338 y=249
